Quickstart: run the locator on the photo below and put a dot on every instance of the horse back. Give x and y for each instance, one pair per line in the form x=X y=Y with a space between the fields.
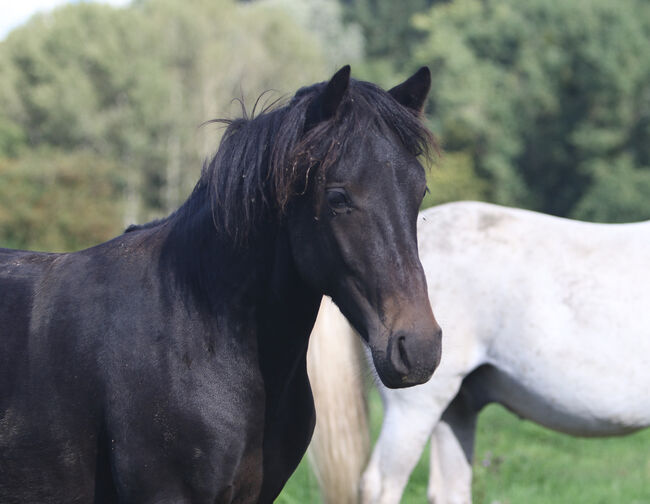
x=558 y=310
x=61 y=317
x=55 y=310
x=26 y=402
x=20 y=273
x=86 y=336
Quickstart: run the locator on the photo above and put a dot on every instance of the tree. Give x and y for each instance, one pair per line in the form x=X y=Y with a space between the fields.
x=389 y=33
x=544 y=94
x=340 y=43
x=51 y=200
x=454 y=178
x=133 y=85
x=80 y=78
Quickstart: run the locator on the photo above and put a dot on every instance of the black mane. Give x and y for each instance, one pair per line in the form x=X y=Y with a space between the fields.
x=264 y=161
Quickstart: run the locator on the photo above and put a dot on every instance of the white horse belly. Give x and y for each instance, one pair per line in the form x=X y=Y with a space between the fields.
x=571 y=401
x=583 y=376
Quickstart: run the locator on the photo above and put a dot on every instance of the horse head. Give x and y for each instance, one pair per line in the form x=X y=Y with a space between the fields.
x=353 y=227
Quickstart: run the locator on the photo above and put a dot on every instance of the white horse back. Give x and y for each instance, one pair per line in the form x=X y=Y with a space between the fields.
x=560 y=308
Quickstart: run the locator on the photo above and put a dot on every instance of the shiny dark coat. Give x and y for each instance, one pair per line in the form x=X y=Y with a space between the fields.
x=168 y=364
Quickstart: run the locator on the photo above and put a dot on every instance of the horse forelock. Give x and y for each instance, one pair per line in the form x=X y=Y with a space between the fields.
x=264 y=161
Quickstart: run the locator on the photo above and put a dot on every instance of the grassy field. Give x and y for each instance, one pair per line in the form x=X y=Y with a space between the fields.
x=518 y=462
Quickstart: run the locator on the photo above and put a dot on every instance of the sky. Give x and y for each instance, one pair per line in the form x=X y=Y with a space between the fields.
x=13 y=13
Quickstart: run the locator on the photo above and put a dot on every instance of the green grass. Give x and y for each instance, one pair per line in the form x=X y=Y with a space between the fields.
x=518 y=462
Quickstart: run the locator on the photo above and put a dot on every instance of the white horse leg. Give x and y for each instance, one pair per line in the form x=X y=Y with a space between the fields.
x=452 y=451
x=404 y=433
x=410 y=416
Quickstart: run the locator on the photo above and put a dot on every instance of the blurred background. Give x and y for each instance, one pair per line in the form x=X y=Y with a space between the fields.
x=541 y=104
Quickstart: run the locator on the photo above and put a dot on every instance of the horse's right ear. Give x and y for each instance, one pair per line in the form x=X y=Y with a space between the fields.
x=325 y=105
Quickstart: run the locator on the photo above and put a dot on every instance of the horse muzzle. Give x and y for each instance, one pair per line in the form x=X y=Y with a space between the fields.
x=409 y=358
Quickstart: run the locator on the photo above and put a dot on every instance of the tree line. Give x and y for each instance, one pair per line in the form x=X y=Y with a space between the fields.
x=542 y=104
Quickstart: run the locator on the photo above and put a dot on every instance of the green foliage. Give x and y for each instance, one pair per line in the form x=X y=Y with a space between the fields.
x=342 y=43
x=12 y=138
x=133 y=85
x=212 y=52
x=389 y=34
x=454 y=178
x=81 y=77
x=541 y=93
x=56 y=201
x=619 y=193
x=538 y=103
x=72 y=82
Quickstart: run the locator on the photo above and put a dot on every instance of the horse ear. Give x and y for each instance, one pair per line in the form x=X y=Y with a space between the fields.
x=412 y=93
x=324 y=106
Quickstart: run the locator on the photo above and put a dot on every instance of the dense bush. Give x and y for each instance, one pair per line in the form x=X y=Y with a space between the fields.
x=56 y=201
x=133 y=85
x=550 y=98
x=537 y=103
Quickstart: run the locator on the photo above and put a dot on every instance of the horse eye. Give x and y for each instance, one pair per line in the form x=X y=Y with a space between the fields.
x=337 y=200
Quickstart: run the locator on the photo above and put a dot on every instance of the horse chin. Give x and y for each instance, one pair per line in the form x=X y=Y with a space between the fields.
x=394 y=380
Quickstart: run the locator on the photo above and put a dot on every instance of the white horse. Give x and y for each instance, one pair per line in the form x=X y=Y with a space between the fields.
x=547 y=316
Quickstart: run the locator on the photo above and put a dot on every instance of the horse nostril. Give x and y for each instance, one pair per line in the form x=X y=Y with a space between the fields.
x=402 y=351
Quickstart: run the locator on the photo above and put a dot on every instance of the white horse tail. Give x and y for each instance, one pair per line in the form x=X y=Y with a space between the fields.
x=340 y=447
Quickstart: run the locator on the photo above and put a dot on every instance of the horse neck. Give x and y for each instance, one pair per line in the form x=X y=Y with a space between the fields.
x=280 y=309
x=285 y=306
x=287 y=312
x=254 y=286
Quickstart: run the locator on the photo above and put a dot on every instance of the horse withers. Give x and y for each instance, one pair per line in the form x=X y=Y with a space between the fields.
x=168 y=364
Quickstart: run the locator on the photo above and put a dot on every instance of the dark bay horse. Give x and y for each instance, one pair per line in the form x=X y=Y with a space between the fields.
x=168 y=364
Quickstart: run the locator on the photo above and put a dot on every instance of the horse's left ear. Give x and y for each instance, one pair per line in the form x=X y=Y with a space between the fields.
x=325 y=105
x=412 y=93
